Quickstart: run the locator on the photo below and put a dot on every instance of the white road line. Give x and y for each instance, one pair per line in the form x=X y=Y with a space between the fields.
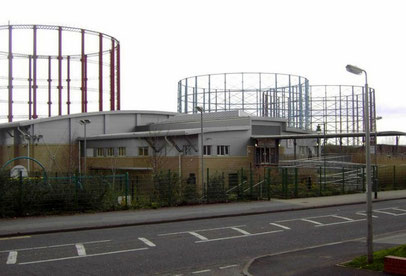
x=312 y=221
x=77 y=257
x=340 y=222
x=241 y=231
x=340 y=217
x=200 y=230
x=364 y=214
x=398 y=209
x=281 y=226
x=12 y=257
x=286 y=220
x=147 y=242
x=201 y=271
x=81 y=249
x=203 y=238
x=51 y=246
x=228 y=266
x=242 y=236
x=385 y=212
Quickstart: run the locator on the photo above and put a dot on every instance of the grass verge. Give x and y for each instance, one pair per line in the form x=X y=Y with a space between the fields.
x=379 y=256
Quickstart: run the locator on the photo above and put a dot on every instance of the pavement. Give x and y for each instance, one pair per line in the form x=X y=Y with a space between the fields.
x=53 y=224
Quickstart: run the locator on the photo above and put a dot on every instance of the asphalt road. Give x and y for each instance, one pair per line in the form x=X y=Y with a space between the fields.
x=203 y=247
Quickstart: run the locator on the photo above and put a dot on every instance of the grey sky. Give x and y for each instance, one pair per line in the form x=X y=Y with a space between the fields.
x=165 y=41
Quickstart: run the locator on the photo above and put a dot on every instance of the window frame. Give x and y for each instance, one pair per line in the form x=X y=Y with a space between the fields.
x=223 y=150
x=207 y=150
x=143 y=151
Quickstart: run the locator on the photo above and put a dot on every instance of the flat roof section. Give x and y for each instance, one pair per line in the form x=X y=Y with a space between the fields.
x=329 y=135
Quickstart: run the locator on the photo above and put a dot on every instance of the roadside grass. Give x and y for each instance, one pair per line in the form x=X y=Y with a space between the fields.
x=379 y=256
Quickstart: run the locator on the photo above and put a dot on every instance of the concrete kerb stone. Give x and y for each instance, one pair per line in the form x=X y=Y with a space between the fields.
x=162 y=221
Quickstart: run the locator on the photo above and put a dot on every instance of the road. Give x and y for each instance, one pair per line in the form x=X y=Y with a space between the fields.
x=203 y=247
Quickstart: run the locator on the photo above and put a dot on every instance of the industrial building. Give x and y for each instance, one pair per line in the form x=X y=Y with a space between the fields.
x=232 y=120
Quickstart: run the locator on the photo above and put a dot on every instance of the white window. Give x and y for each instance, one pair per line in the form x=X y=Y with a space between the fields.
x=223 y=150
x=207 y=150
x=99 y=152
x=143 y=151
x=110 y=152
x=122 y=151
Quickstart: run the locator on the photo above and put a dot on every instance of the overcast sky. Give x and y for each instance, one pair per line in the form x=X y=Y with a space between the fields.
x=164 y=41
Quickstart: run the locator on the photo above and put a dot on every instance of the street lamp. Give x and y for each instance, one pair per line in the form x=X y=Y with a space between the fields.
x=84 y=122
x=201 y=110
x=358 y=71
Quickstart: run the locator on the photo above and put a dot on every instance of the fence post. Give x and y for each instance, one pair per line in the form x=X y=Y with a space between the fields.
x=375 y=187
x=20 y=193
x=285 y=189
x=377 y=180
x=363 y=179
x=240 y=184
x=251 y=183
x=207 y=185
x=343 y=188
x=296 y=180
x=394 y=177
x=222 y=186
x=268 y=182
x=169 y=188
x=126 y=189
x=320 y=181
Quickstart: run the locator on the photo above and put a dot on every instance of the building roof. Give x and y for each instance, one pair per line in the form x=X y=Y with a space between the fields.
x=163 y=133
x=81 y=115
x=329 y=135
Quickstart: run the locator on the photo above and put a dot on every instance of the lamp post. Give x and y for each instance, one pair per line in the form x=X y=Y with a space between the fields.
x=318 y=142
x=31 y=138
x=84 y=122
x=375 y=156
x=201 y=110
x=358 y=71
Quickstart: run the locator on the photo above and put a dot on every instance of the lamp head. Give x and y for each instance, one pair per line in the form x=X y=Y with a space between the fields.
x=85 y=121
x=318 y=129
x=354 y=69
x=199 y=109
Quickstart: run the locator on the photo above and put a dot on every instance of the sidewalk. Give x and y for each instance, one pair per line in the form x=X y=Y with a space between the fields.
x=53 y=224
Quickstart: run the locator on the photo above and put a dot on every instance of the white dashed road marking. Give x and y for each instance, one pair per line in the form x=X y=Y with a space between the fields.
x=147 y=242
x=228 y=266
x=363 y=213
x=12 y=257
x=81 y=249
x=77 y=257
x=281 y=226
x=340 y=217
x=200 y=230
x=201 y=271
x=238 y=237
x=52 y=246
x=312 y=221
x=202 y=238
x=241 y=231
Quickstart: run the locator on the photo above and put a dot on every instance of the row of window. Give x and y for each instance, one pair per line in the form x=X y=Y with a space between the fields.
x=221 y=150
x=109 y=152
x=144 y=151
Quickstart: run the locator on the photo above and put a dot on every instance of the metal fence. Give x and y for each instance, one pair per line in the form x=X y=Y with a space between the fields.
x=38 y=195
x=66 y=194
